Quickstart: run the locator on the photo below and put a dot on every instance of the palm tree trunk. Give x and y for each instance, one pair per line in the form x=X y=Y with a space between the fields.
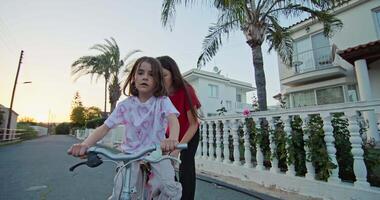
x=105 y=97
x=114 y=92
x=258 y=66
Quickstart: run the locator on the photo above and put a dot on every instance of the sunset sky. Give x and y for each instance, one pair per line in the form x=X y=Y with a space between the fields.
x=54 y=33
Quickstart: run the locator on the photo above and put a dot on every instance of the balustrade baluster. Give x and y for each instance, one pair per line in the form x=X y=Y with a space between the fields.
x=360 y=169
x=247 y=149
x=235 y=137
x=211 y=140
x=288 y=131
x=259 y=153
x=310 y=173
x=329 y=139
x=199 y=147
x=204 y=156
x=226 y=150
x=273 y=146
x=218 y=141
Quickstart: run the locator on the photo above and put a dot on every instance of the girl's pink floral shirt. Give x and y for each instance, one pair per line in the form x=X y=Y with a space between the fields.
x=145 y=123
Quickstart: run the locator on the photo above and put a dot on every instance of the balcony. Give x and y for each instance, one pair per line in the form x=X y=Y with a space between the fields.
x=312 y=66
x=240 y=106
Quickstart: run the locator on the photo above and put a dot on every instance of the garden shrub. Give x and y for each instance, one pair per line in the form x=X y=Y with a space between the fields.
x=63 y=128
x=26 y=131
x=94 y=123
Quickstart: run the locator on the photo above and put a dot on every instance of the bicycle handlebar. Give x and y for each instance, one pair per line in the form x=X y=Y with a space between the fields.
x=127 y=157
x=93 y=160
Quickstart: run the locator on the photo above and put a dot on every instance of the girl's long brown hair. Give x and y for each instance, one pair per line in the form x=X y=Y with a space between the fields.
x=169 y=64
x=157 y=74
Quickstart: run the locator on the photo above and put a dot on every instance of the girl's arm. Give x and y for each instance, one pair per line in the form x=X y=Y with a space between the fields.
x=170 y=143
x=193 y=126
x=81 y=148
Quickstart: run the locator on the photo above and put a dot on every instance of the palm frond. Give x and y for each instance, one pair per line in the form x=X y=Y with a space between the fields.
x=279 y=38
x=213 y=40
x=129 y=54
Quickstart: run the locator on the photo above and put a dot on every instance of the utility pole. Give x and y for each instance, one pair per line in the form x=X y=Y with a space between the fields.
x=13 y=92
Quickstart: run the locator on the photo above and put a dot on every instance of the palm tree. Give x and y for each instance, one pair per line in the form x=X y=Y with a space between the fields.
x=107 y=64
x=93 y=65
x=259 y=21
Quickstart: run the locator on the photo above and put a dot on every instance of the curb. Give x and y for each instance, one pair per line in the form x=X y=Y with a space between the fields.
x=257 y=195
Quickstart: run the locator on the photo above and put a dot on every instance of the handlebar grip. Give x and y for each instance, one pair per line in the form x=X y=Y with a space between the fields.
x=181 y=146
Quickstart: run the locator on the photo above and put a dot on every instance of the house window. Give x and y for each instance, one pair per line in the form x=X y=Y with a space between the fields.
x=351 y=93
x=228 y=105
x=238 y=97
x=305 y=98
x=311 y=53
x=321 y=50
x=377 y=21
x=214 y=90
x=330 y=95
x=212 y=114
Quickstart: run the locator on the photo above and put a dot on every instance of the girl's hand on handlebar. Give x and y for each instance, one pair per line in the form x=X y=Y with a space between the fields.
x=175 y=153
x=78 y=150
x=168 y=145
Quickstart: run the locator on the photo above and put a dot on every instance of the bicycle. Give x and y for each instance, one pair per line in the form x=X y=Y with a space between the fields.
x=152 y=154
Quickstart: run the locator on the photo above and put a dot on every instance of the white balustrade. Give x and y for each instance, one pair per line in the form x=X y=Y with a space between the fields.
x=213 y=153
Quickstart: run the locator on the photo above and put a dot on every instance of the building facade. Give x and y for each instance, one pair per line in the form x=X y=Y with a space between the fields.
x=4 y=112
x=216 y=91
x=319 y=74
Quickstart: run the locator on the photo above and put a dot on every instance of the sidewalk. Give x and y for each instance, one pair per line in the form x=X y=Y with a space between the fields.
x=251 y=188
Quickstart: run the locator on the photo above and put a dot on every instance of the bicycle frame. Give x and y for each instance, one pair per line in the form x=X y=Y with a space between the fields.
x=127 y=159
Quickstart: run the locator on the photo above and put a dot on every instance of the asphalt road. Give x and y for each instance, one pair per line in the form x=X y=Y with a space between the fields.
x=38 y=170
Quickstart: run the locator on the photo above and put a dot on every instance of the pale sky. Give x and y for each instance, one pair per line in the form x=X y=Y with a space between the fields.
x=54 y=33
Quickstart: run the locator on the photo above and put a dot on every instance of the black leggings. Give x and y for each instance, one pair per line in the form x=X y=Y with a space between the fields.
x=187 y=168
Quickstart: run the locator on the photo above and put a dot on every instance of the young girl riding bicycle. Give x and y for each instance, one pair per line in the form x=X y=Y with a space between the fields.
x=146 y=113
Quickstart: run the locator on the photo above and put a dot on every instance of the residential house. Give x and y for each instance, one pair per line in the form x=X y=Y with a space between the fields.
x=4 y=112
x=342 y=68
x=216 y=91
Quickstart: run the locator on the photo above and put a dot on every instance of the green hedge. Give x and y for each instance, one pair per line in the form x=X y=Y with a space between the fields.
x=94 y=123
x=63 y=128
x=26 y=132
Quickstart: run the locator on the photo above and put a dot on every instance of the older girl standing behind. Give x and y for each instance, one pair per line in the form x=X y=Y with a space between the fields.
x=183 y=96
x=145 y=115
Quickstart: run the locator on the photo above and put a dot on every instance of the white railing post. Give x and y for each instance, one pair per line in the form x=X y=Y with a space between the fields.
x=360 y=169
x=259 y=153
x=204 y=156
x=273 y=146
x=235 y=137
x=247 y=147
x=310 y=170
x=218 y=141
x=226 y=149
x=288 y=130
x=199 y=147
x=329 y=139
x=211 y=140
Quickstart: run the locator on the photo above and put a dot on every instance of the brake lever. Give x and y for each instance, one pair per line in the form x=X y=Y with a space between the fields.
x=92 y=161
